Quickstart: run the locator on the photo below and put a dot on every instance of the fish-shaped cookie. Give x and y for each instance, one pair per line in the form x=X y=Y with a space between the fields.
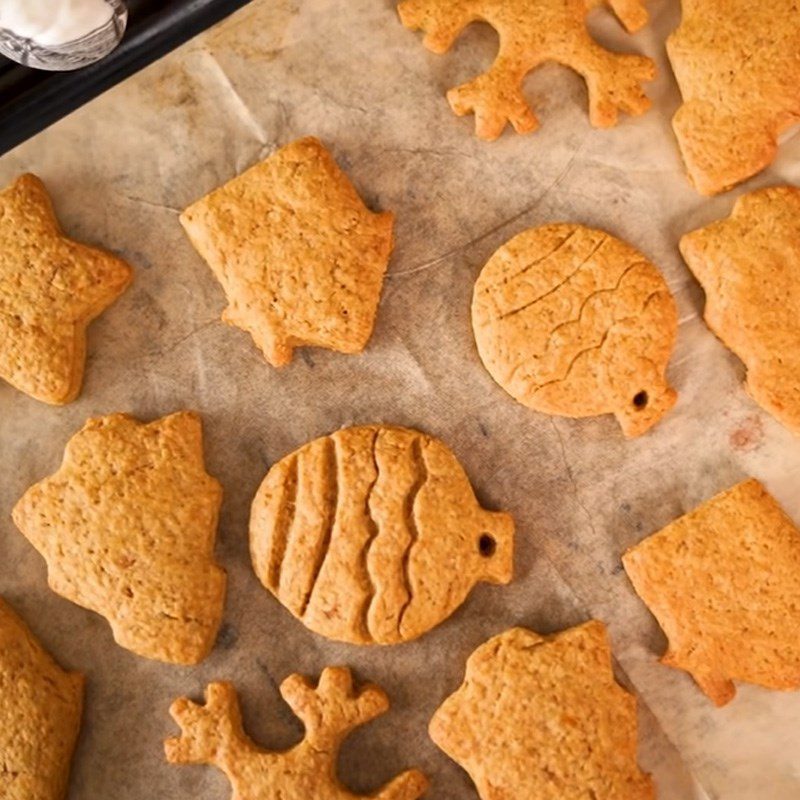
x=542 y=718
x=570 y=320
x=749 y=268
x=373 y=534
x=40 y=715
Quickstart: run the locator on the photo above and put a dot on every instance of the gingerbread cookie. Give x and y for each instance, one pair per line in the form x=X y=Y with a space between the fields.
x=532 y=33
x=542 y=717
x=127 y=528
x=572 y=321
x=51 y=288
x=749 y=267
x=723 y=581
x=40 y=715
x=300 y=257
x=737 y=68
x=373 y=535
x=213 y=734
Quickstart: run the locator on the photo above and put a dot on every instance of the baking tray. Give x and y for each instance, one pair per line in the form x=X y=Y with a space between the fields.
x=30 y=99
x=122 y=168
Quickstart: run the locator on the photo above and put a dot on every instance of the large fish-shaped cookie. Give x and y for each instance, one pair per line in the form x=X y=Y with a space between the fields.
x=373 y=535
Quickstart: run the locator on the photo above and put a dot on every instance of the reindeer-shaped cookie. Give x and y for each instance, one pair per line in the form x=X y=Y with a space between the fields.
x=213 y=734
x=531 y=33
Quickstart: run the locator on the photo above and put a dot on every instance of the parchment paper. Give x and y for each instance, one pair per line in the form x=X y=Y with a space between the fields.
x=348 y=72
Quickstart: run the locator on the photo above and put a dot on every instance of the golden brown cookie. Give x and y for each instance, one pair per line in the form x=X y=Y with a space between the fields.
x=300 y=257
x=737 y=68
x=531 y=33
x=213 y=734
x=723 y=581
x=572 y=321
x=373 y=535
x=127 y=528
x=749 y=267
x=40 y=715
x=51 y=288
x=542 y=717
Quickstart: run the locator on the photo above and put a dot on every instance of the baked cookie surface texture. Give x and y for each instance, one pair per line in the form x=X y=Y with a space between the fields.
x=212 y=734
x=572 y=321
x=723 y=581
x=373 y=535
x=737 y=68
x=531 y=33
x=127 y=528
x=542 y=717
x=51 y=288
x=40 y=715
x=299 y=255
x=749 y=267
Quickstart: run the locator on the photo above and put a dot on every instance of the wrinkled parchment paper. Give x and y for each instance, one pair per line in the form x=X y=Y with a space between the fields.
x=346 y=70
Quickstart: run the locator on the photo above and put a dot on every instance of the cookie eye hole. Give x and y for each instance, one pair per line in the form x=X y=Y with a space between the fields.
x=487 y=545
x=640 y=400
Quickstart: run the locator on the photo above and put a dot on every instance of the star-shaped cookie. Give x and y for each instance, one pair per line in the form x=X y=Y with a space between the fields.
x=127 y=528
x=299 y=255
x=723 y=581
x=749 y=267
x=51 y=288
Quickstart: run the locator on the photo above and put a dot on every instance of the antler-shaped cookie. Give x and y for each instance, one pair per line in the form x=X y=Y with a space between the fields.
x=213 y=734
x=532 y=33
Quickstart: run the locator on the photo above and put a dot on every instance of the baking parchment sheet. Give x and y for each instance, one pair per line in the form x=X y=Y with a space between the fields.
x=121 y=168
